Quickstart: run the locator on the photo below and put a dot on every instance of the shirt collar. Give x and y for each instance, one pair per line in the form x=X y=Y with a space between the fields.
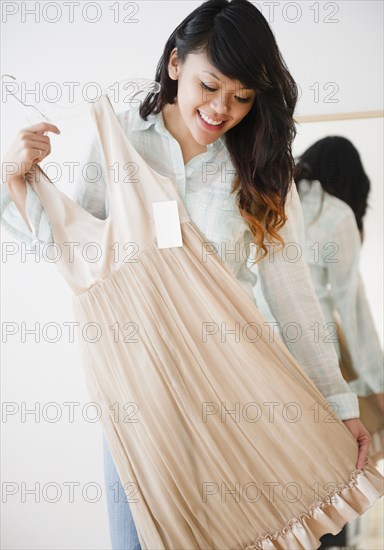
x=157 y=120
x=310 y=188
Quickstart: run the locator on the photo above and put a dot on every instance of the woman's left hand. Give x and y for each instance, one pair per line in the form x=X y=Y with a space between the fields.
x=362 y=436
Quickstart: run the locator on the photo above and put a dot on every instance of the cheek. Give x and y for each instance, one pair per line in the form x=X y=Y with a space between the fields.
x=199 y=98
x=187 y=97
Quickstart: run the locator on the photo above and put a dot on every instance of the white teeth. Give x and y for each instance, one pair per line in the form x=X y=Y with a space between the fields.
x=209 y=120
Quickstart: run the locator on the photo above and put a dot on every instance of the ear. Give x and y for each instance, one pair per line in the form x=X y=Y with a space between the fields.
x=173 y=65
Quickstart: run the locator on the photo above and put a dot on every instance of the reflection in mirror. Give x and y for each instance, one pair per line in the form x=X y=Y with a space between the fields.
x=367 y=137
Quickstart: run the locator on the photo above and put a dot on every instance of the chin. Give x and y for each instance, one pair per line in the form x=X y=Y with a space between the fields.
x=205 y=141
x=201 y=137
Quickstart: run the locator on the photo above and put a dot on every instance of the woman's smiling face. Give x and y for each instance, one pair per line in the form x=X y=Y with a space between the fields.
x=209 y=103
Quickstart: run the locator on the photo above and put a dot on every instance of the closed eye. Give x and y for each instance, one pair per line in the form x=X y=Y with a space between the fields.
x=243 y=99
x=239 y=99
x=207 y=87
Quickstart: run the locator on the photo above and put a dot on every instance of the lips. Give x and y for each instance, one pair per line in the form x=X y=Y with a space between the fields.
x=209 y=126
x=211 y=118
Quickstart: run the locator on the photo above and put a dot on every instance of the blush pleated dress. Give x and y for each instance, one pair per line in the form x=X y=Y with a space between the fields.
x=220 y=439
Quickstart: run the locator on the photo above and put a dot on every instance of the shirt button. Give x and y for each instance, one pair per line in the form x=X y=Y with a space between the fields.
x=225 y=202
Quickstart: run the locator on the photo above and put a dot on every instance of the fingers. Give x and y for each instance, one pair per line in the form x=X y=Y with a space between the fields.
x=363 y=438
x=29 y=146
x=38 y=142
x=364 y=443
x=40 y=156
x=38 y=138
x=43 y=127
x=36 y=147
x=39 y=147
x=37 y=151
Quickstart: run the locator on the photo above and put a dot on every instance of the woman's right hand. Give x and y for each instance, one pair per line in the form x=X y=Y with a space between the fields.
x=29 y=147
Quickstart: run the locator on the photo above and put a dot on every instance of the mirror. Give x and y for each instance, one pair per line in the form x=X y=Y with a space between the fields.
x=367 y=136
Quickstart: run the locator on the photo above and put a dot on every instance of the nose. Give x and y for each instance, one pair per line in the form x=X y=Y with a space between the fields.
x=219 y=104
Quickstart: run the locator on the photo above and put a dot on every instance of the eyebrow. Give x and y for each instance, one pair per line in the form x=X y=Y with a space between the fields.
x=214 y=76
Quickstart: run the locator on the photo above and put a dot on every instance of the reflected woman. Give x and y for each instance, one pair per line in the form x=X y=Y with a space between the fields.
x=334 y=189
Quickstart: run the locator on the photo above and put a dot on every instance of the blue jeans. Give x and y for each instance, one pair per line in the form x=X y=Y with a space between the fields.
x=121 y=525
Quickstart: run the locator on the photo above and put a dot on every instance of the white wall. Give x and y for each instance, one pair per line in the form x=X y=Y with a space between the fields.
x=347 y=52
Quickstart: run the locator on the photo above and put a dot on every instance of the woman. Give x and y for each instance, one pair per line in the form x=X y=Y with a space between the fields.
x=225 y=106
x=334 y=189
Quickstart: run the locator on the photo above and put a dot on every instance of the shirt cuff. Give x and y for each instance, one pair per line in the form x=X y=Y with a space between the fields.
x=13 y=222
x=11 y=218
x=346 y=405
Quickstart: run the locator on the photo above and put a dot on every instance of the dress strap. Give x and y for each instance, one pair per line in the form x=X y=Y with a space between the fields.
x=131 y=179
x=110 y=136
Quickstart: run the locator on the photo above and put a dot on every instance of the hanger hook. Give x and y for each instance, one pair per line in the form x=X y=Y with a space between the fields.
x=19 y=100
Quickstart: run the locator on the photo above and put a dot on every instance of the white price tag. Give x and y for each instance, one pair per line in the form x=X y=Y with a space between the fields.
x=167 y=224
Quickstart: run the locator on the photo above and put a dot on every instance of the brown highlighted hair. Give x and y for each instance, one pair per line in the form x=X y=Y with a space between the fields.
x=238 y=41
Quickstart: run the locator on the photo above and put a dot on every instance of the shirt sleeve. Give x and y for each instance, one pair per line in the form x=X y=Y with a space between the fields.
x=13 y=222
x=349 y=299
x=288 y=289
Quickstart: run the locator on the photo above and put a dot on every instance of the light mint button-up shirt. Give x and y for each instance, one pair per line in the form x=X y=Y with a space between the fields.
x=335 y=272
x=333 y=252
x=205 y=184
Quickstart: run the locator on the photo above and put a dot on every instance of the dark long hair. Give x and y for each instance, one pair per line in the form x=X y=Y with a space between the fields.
x=238 y=41
x=335 y=162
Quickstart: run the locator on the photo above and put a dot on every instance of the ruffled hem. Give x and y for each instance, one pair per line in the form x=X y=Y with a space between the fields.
x=363 y=489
